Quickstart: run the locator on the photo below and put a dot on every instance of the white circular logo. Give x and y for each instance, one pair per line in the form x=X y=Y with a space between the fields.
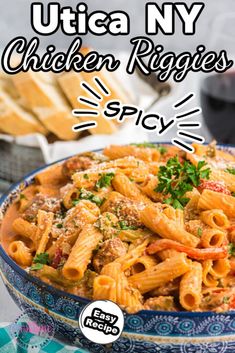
x=101 y=321
x=33 y=330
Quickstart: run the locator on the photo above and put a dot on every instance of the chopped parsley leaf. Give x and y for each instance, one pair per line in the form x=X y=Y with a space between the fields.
x=175 y=179
x=108 y=217
x=144 y=144
x=75 y=202
x=40 y=260
x=86 y=176
x=59 y=225
x=233 y=194
x=230 y=170
x=199 y=232
x=231 y=249
x=97 y=200
x=36 y=267
x=23 y=197
x=162 y=149
x=105 y=180
x=88 y=195
x=124 y=226
x=226 y=300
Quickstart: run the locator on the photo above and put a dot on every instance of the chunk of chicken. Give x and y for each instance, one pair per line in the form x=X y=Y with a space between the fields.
x=41 y=202
x=109 y=251
x=81 y=162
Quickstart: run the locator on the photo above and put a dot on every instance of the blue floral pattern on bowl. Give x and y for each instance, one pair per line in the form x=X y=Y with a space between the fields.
x=146 y=331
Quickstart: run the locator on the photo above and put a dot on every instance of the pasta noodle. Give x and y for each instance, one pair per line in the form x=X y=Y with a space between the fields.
x=160 y=274
x=215 y=219
x=81 y=253
x=131 y=257
x=25 y=229
x=143 y=263
x=126 y=296
x=210 y=200
x=191 y=287
x=104 y=288
x=43 y=231
x=212 y=238
x=146 y=154
x=165 y=227
x=124 y=186
x=52 y=176
x=207 y=278
x=20 y=253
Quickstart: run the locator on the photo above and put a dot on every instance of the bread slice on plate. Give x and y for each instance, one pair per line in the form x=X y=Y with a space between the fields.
x=43 y=96
x=14 y=119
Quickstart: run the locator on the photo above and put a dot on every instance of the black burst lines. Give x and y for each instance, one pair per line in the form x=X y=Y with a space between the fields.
x=185 y=127
x=92 y=103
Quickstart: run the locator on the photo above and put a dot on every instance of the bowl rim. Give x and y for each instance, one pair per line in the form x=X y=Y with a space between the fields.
x=76 y=298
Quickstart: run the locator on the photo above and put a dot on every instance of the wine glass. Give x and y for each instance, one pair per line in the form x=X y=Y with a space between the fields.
x=217 y=90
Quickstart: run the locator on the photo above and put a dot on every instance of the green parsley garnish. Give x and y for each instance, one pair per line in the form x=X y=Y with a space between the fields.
x=59 y=225
x=199 y=232
x=226 y=300
x=87 y=195
x=40 y=260
x=233 y=194
x=36 y=267
x=161 y=149
x=105 y=180
x=144 y=144
x=230 y=170
x=176 y=179
x=86 y=176
x=75 y=202
x=124 y=226
x=97 y=200
x=108 y=217
x=231 y=249
x=23 y=197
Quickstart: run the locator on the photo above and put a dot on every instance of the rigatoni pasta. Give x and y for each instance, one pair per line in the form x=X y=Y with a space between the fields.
x=104 y=288
x=191 y=287
x=215 y=219
x=160 y=274
x=20 y=253
x=210 y=200
x=166 y=227
x=145 y=226
x=81 y=253
x=212 y=237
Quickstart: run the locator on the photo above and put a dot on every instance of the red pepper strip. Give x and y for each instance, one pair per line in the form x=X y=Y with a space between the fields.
x=232 y=302
x=214 y=186
x=57 y=258
x=196 y=254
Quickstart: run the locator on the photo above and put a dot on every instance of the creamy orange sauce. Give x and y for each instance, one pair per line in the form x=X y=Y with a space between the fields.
x=7 y=234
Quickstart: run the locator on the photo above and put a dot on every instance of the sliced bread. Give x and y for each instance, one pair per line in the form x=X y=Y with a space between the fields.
x=15 y=120
x=43 y=96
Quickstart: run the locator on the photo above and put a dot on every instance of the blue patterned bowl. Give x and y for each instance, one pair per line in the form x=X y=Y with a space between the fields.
x=146 y=331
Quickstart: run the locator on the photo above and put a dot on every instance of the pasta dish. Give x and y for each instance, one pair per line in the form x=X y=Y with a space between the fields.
x=143 y=225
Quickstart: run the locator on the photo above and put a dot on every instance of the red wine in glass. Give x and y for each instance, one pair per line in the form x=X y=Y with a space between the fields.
x=217 y=97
